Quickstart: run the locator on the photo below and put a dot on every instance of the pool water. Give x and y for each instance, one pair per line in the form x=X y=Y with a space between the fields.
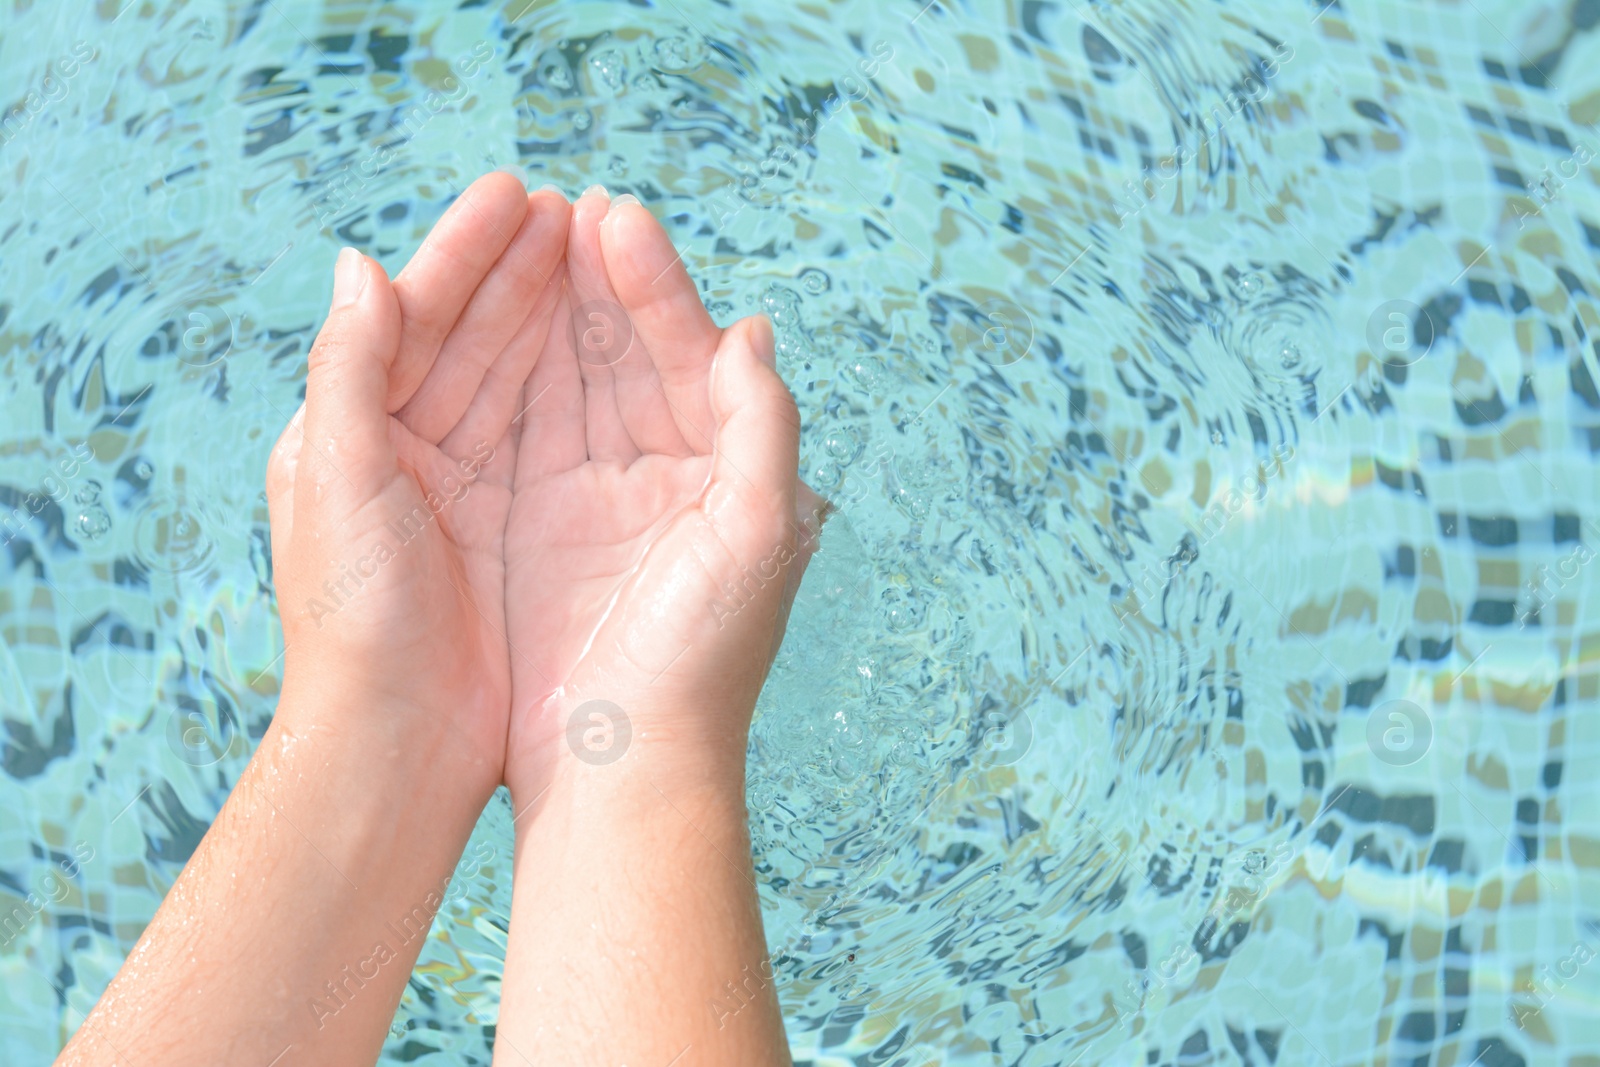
x=1202 y=665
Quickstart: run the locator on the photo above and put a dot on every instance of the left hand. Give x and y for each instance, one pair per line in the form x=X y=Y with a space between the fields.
x=652 y=547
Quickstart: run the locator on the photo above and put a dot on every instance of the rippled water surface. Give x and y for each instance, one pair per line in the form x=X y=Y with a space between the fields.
x=1202 y=667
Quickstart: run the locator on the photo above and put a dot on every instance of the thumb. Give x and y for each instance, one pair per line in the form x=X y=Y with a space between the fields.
x=754 y=472
x=347 y=379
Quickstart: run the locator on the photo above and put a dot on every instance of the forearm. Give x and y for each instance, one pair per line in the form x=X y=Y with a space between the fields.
x=636 y=932
x=298 y=919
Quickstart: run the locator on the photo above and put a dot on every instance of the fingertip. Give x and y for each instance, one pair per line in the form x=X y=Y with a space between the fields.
x=549 y=209
x=762 y=340
x=349 y=278
x=503 y=183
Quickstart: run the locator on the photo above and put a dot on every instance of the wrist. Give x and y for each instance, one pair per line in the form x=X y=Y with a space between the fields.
x=385 y=745
x=630 y=746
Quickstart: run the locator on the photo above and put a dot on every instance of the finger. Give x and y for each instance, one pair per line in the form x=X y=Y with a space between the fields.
x=494 y=314
x=652 y=285
x=751 y=500
x=443 y=482
x=553 y=437
x=499 y=399
x=436 y=284
x=347 y=381
x=641 y=400
x=603 y=339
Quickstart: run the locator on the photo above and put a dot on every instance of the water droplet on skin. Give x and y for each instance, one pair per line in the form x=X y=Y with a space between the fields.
x=1289 y=356
x=143 y=470
x=1250 y=284
x=88 y=493
x=581 y=121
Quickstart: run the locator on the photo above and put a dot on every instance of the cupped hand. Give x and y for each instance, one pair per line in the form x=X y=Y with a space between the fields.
x=652 y=546
x=390 y=489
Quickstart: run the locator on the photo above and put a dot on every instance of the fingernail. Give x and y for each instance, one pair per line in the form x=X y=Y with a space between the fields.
x=611 y=212
x=597 y=189
x=349 y=278
x=518 y=172
x=765 y=343
x=552 y=187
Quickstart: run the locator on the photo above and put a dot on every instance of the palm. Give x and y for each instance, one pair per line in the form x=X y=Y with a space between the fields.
x=629 y=516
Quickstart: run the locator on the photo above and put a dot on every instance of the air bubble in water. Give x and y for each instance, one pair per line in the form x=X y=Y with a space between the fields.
x=676 y=55
x=867 y=372
x=843 y=444
x=903 y=612
x=93 y=522
x=555 y=72
x=610 y=68
x=782 y=305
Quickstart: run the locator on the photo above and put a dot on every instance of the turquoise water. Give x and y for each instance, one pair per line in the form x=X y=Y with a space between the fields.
x=1202 y=667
